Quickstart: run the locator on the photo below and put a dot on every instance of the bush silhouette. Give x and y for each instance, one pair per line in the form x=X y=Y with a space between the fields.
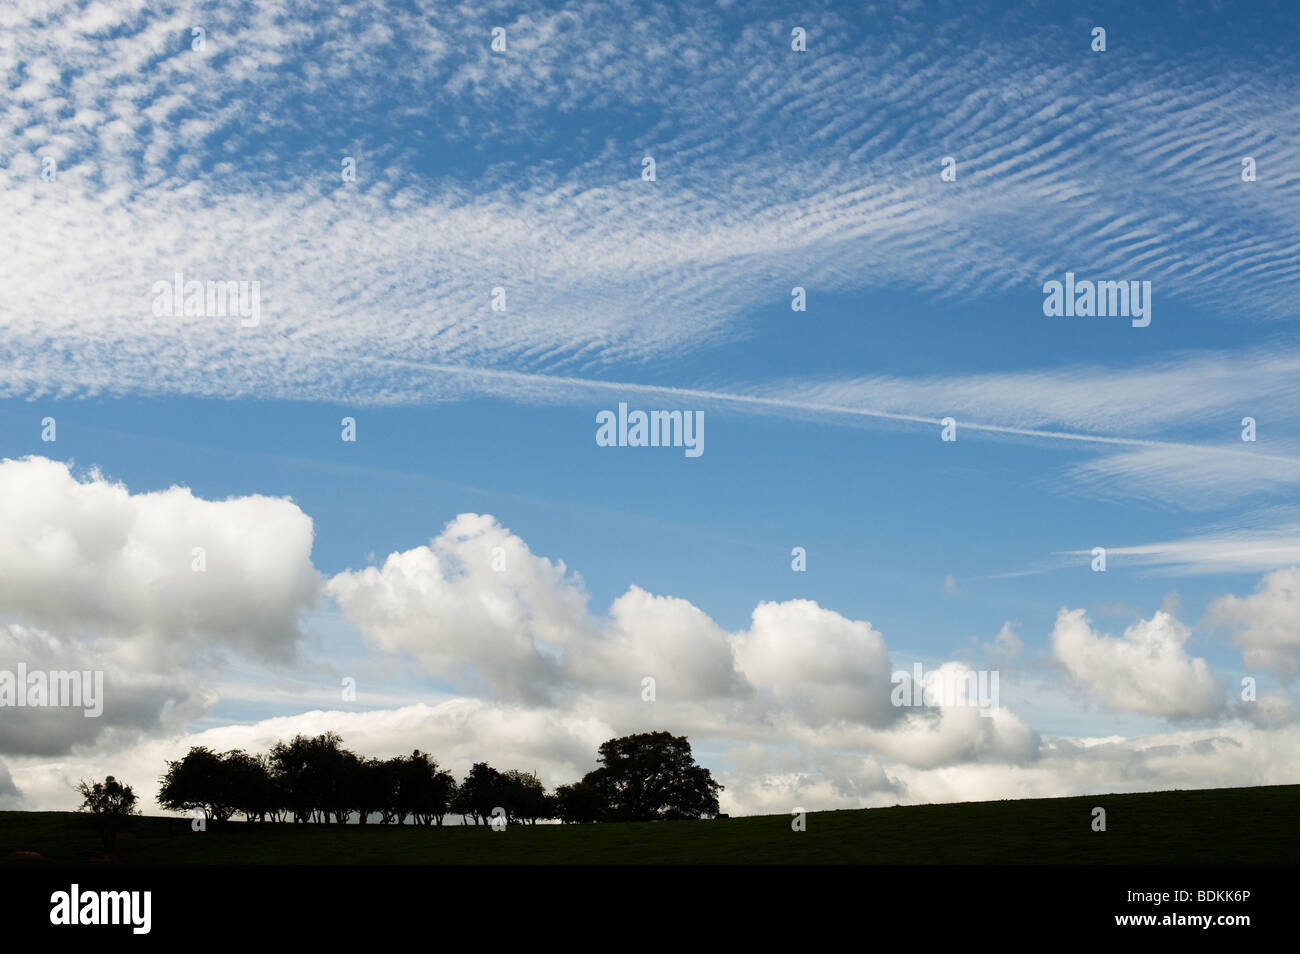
x=112 y=805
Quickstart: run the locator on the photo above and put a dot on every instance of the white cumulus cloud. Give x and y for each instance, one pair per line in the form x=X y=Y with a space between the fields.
x=1147 y=670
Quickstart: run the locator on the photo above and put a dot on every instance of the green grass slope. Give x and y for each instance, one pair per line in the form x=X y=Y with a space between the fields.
x=1212 y=826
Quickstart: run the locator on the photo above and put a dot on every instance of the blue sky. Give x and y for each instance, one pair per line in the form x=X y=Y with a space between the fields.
x=522 y=170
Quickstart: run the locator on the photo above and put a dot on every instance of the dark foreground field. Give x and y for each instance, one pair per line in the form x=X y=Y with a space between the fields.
x=1214 y=826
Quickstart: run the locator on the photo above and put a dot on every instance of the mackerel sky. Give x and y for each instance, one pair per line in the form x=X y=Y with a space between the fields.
x=133 y=148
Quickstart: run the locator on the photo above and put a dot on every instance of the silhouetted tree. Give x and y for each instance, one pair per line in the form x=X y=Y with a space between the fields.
x=441 y=794
x=480 y=793
x=524 y=797
x=579 y=802
x=247 y=780
x=112 y=804
x=290 y=763
x=423 y=790
x=198 y=780
x=316 y=779
x=340 y=784
x=369 y=784
x=384 y=783
x=652 y=776
x=312 y=774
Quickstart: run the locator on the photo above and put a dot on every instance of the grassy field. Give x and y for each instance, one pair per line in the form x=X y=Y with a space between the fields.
x=1213 y=826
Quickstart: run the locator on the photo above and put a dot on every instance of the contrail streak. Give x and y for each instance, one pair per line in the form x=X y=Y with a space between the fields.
x=757 y=403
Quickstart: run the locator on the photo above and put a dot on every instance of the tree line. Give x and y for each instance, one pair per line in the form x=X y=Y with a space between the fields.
x=645 y=777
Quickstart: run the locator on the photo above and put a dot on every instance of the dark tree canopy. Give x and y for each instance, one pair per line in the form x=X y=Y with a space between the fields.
x=248 y=782
x=112 y=803
x=198 y=781
x=480 y=793
x=312 y=773
x=643 y=777
x=524 y=797
x=652 y=776
x=423 y=790
x=579 y=802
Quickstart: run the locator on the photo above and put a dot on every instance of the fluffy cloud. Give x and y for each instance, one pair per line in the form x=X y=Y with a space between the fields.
x=668 y=639
x=474 y=605
x=88 y=557
x=817 y=664
x=1269 y=622
x=1146 y=670
x=1210 y=758
x=837 y=783
x=1270 y=710
x=94 y=578
x=477 y=607
x=795 y=709
x=949 y=734
x=800 y=673
x=133 y=701
x=1006 y=645
x=11 y=798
